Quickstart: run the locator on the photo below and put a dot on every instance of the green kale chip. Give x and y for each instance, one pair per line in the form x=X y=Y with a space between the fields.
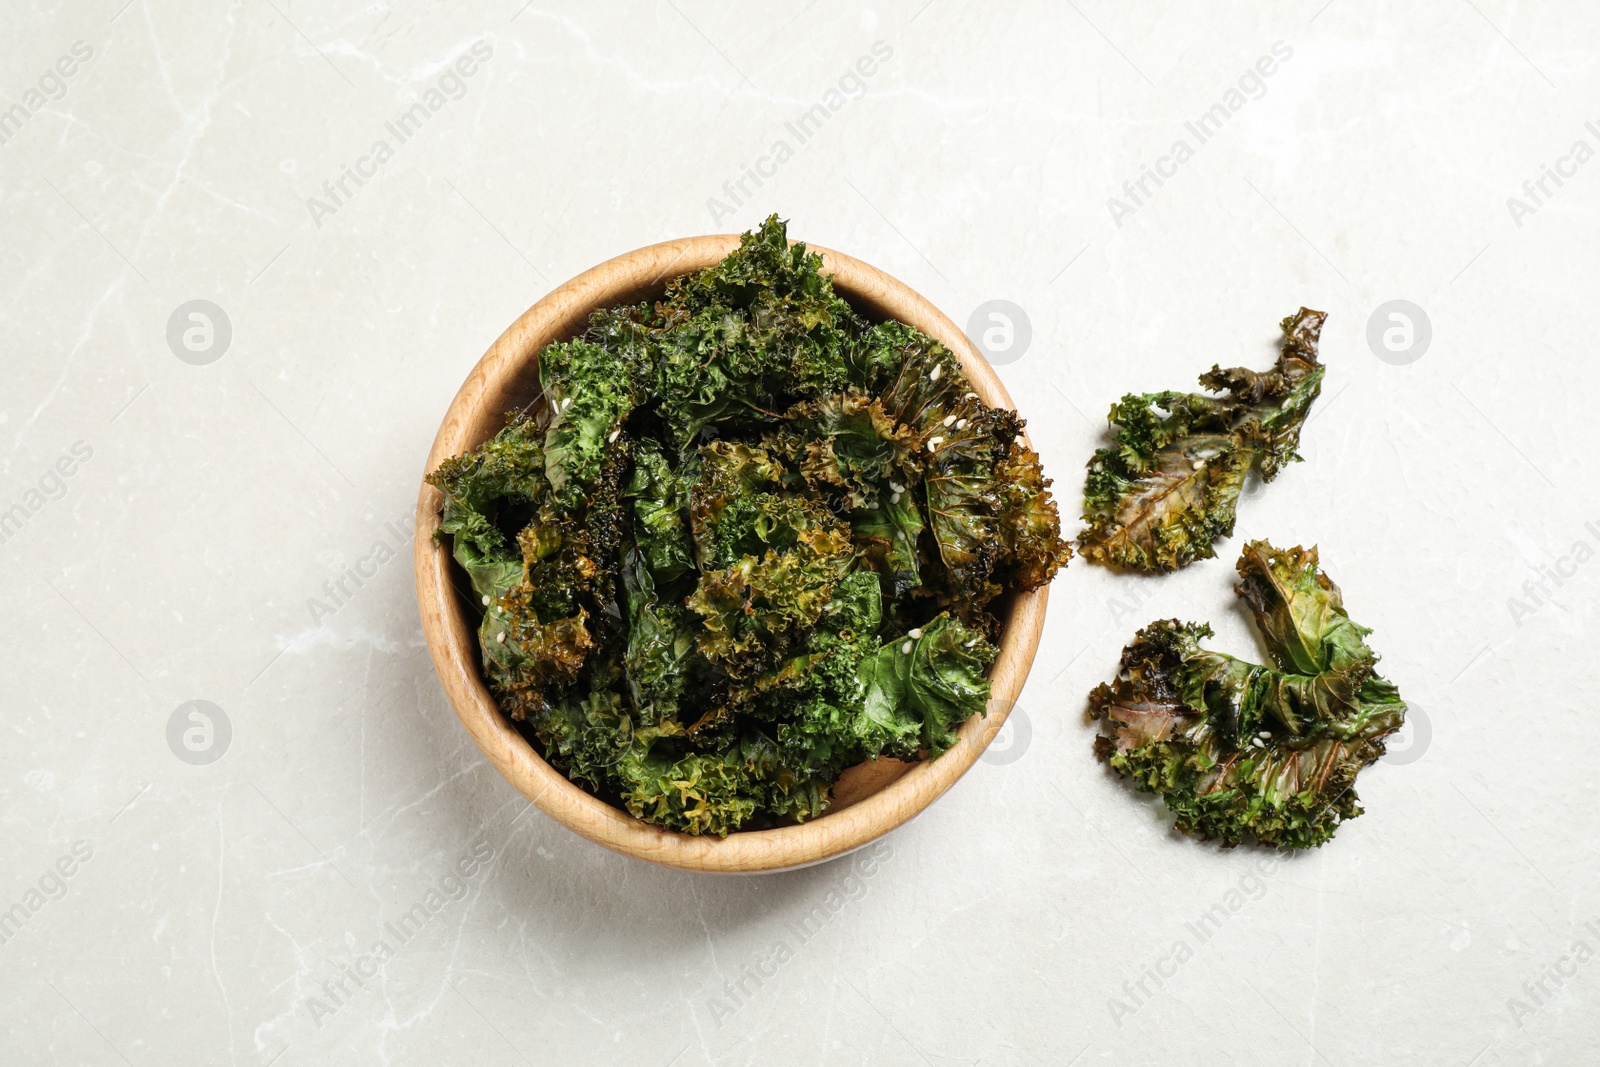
x=1168 y=490
x=747 y=541
x=740 y=341
x=936 y=674
x=984 y=496
x=590 y=392
x=1238 y=749
x=660 y=497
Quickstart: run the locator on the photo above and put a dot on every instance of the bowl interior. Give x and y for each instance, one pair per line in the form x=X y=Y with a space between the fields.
x=869 y=799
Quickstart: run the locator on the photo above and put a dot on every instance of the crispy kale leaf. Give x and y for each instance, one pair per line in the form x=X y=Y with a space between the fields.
x=852 y=697
x=1168 y=490
x=1238 y=749
x=505 y=474
x=859 y=460
x=988 y=511
x=748 y=542
x=741 y=341
x=660 y=499
x=937 y=673
x=484 y=491
x=590 y=392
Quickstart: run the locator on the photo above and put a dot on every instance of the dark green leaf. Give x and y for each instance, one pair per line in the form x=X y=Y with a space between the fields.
x=1237 y=749
x=1168 y=490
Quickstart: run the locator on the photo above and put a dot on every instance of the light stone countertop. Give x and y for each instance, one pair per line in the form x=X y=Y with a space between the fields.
x=183 y=501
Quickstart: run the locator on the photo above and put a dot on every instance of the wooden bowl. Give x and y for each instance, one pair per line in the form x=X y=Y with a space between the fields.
x=869 y=800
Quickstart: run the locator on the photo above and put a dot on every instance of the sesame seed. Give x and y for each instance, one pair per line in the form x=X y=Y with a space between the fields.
x=500 y=637
x=917 y=633
x=613 y=438
x=1265 y=735
x=485 y=601
x=566 y=402
x=949 y=420
x=934 y=443
x=897 y=487
x=1199 y=464
x=905 y=649
x=894 y=498
x=938 y=369
x=961 y=424
x=969 y=396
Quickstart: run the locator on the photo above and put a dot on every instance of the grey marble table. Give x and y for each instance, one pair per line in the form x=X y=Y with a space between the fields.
x=251 y=249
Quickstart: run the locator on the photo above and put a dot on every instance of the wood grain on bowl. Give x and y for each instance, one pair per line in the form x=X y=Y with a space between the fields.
x=868 y=800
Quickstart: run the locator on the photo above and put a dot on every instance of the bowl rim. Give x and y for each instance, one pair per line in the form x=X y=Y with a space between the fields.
x=496 y=384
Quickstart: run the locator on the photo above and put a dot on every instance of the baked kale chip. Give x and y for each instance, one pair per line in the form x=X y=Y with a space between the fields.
x=747 y=541
x=1238 y=749
x=1168 y=489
